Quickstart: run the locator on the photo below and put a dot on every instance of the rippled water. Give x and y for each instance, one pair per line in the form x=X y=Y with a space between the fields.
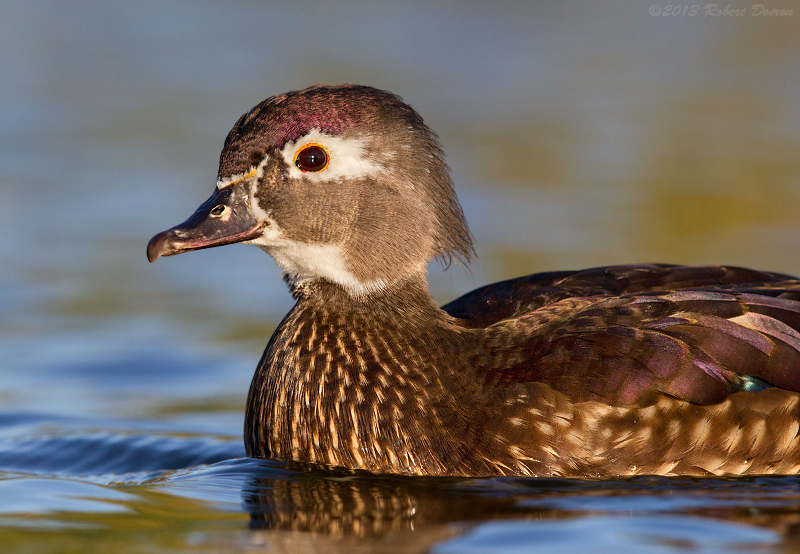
x=579 y=134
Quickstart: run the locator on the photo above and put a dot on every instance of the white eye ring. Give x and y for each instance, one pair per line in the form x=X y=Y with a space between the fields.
x=352 y=160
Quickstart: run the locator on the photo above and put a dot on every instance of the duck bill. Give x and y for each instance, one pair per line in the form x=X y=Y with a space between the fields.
x=224 y=218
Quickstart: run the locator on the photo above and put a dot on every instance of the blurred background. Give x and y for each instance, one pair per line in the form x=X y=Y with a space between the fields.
x=579 y=134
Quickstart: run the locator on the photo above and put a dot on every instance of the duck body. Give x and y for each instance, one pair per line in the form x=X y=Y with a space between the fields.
x=595 y=373
x=647 y=369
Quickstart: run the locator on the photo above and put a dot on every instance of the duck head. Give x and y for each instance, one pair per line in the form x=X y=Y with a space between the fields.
x=344 y=184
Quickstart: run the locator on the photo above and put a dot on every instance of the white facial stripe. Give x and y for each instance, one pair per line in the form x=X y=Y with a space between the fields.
x=233 y=179
x=301 y=262
x=260 y=169
x=260 y=213
x=348 y=158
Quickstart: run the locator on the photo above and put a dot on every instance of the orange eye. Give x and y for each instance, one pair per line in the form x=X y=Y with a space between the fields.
x=311 y=157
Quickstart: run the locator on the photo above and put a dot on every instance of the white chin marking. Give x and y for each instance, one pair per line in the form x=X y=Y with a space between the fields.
x=348 y=158
x=301 y=262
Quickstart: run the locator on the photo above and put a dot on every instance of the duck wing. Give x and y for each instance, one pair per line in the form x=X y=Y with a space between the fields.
x=624 y=335
x=505 y=299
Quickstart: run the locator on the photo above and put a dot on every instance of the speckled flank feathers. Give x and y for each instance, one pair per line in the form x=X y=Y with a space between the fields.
x=645 y=369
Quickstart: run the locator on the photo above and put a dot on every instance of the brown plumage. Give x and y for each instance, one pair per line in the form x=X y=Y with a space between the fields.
x=647 y=369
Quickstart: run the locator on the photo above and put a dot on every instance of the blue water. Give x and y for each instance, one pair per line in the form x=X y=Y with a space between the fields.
x=579 y=134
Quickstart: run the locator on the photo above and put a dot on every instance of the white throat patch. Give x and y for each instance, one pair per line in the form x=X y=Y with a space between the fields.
x=301 y=262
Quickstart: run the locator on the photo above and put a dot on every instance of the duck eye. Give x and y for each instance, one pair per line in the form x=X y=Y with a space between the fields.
x=311 y=157
x=218 y=210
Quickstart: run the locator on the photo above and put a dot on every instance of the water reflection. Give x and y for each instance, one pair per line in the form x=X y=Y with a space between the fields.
x=341 y=503
x=308 y=508
x=318 y=505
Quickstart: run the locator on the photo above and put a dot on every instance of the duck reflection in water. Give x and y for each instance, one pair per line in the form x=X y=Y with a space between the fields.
x=311 y=506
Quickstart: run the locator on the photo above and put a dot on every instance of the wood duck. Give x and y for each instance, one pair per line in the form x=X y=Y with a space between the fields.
x=643 y=369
